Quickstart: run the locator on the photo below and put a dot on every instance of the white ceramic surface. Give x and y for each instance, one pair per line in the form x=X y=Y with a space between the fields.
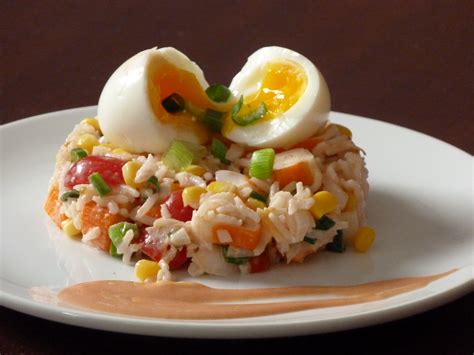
x=420 y=204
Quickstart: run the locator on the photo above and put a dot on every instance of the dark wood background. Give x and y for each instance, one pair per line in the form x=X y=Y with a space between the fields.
x=405 y=62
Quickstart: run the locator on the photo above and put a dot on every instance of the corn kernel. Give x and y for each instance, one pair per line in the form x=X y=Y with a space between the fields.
x=351 y=203
x=68 y=227
x=253 y=203
x=220 y=186
x=129 y=172
x=192 y=194
x=146 y=270
x=364 y=238
x=343 y=130
x=324 y=202
x=120 y=151
x=87 y=141
x=107 y=145
x=196 y=170
x=91 y=122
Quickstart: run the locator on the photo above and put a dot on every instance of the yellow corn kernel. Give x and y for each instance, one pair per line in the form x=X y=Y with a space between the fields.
x=196 y=170
x=351 y=203
x=220 y=186
x=253 y=203
x=324 y=202
x=343 y=130
x=364 y=238
x=87 y=141
x=146 y=269
x=120 y=151
x=91 y=122
x=129 y=172
x=68 y=227
x=192 y=194
x=107 y=145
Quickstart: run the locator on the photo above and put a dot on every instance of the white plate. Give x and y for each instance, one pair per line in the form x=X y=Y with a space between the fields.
x=420 y=204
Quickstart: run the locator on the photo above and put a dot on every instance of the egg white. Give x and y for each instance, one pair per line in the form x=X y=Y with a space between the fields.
x=300 y=121
x=125 y=114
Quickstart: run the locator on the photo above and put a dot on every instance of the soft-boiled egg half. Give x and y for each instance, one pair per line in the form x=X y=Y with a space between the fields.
x=295 y=95
x=283 y=100
x=130 y=111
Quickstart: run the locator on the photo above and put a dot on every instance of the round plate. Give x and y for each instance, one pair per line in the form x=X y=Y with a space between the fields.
x=420 y=204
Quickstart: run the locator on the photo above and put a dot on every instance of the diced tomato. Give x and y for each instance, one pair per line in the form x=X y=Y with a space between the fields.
x=153 y=251
x=109 y=168
x=260 y=263
x=179 y=260
x=176 y=207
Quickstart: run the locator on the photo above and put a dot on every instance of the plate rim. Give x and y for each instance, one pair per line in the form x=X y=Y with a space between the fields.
x=89 y=319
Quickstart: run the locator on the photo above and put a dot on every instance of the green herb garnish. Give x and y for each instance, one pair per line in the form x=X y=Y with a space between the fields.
x=310 y=240
x=152 y=183
x=77 y=154
x=258 y=196
x=213 y=120
x=99 y=184
x=261 y=163
x=233 y=260
x=69 y=194
x=252 y=116
x=218 y=93
x=337 y=245
x=219 y=150
x=173 y=103
x=324 y=223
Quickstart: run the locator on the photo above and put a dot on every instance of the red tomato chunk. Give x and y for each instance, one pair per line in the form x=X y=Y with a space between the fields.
x=109 y=168
x=152 y=249
x=176 y=207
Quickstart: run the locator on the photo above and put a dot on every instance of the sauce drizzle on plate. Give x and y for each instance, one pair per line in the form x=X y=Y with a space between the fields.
x=188 y=300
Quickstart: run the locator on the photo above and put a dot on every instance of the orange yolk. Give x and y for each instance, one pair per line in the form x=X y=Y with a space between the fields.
x=164 y=80
x=282 y=85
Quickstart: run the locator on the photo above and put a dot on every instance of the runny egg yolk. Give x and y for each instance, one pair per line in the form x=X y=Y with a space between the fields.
x=166 y=79
x=281 y=86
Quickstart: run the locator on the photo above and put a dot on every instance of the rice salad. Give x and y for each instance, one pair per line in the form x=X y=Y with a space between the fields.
x=215 y=206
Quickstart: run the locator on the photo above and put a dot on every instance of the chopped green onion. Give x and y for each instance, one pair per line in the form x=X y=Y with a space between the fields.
x=69 y=194
x=219 y=150
x=193 y=110
x=77 y=154
x=113 y=250
x=152 y=183
x=258 y=196
x=325 y=223
x=173 y=103
x=117 y=232
x=213 y=120
x=178 y=156
x=233 y=260
x=199 y=151
x=218 y=93
x=310 y=240
x=250 y=117
x=337 y=245
x=99 y=184
x=261 y=163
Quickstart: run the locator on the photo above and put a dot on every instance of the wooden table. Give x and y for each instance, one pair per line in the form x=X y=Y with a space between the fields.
x=405 y=62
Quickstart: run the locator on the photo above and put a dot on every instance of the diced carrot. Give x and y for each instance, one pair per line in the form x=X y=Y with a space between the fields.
x=298 y=172
x=309 y=144
x=175 y=186
x=241 y=237
x=52 y=206
x=155 y=211
x=95 y=216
